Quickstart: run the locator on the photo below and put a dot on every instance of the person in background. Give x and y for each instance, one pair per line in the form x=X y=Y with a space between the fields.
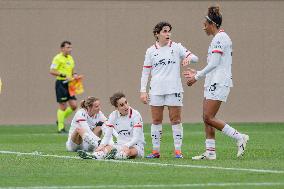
x=62 y=68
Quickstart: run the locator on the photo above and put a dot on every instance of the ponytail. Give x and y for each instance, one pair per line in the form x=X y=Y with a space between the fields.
x=88 y=102
x=82 y=104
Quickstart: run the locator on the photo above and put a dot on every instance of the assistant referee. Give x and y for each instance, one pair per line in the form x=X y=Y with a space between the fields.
x=63 y=68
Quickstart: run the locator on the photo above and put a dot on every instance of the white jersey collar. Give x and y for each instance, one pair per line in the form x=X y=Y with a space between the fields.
x=157 y=46
x=130 y=112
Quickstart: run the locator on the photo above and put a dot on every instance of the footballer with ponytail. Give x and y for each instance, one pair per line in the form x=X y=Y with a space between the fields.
x=86 y=126
x=214 y=16
x=218 y=81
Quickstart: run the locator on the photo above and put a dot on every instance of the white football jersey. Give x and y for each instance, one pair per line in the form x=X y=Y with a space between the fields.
x=222 y=74
x=125 y=126
x=82 y=115
x=164 y=63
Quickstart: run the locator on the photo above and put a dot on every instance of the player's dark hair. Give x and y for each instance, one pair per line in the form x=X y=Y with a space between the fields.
x=88 y=102
x=115 y=97
x=158 y=28
x=64 y=43
x=214 y=16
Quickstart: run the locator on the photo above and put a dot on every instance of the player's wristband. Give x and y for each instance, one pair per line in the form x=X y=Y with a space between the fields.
x=62 y=75
x=197 y=75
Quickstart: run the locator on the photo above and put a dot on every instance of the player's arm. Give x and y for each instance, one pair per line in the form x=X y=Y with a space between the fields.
x=137 y=131
x=109 y=126
x=84 y=129
x=215 y=60
x=187 y=56
x=147 y=67
x=107 y=134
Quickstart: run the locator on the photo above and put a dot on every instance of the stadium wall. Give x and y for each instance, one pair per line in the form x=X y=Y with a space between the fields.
x=109 y=43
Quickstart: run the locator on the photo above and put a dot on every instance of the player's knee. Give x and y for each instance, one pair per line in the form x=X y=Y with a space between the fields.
x=157 y=121
x=80 y=130
x=207 y=119
x=175 y=122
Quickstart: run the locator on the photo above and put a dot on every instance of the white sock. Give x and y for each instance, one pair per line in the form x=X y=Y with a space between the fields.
x=91 y=139
x=210 y=146
x=231 y=132
x=177 y=135
x=156 y=134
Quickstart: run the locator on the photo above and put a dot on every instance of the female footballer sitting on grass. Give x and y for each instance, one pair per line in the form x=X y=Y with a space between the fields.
x=87 y=126
x=128 y=124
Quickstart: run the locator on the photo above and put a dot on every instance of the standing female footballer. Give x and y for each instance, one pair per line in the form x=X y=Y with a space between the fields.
x=163 y=61
x=217 y=85
x=128 y=124
x=86 y=126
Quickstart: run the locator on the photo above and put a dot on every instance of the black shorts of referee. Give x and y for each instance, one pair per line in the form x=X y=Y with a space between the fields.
x=62 y=92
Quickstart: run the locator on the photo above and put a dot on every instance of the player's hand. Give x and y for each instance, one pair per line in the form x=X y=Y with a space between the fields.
x=189 y=73
x=144 y=97
x=186 y=61
x=100 y=148
x=191 y=81
x=125 y=149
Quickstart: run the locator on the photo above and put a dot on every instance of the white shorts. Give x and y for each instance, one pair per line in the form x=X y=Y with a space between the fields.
x=216 y=92
x=174 y=99
x=139 y=147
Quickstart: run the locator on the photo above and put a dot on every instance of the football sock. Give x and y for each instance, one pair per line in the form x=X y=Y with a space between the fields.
x=156 y=134
x=91 y=139
x=177 y=135
x=68 y=112
x=231 y=132
x=210 y=146
x=60 y=119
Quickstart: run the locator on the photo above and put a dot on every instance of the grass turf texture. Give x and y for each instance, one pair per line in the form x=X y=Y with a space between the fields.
x=265 y=151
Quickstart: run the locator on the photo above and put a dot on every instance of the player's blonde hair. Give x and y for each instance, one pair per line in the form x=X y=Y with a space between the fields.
x=88 y=102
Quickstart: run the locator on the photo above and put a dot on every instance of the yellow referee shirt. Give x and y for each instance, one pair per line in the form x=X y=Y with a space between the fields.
x=63 y=64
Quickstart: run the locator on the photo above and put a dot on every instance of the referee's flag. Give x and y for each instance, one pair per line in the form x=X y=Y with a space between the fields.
x=75 y=86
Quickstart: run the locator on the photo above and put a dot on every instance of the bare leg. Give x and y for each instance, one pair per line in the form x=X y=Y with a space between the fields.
x=210 y=109
x=97 y=131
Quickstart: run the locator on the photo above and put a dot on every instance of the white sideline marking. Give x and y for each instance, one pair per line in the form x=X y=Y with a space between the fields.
x=150 y=163
x=151 y=186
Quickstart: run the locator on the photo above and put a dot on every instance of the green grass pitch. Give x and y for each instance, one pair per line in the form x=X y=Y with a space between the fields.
x=35 y=157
